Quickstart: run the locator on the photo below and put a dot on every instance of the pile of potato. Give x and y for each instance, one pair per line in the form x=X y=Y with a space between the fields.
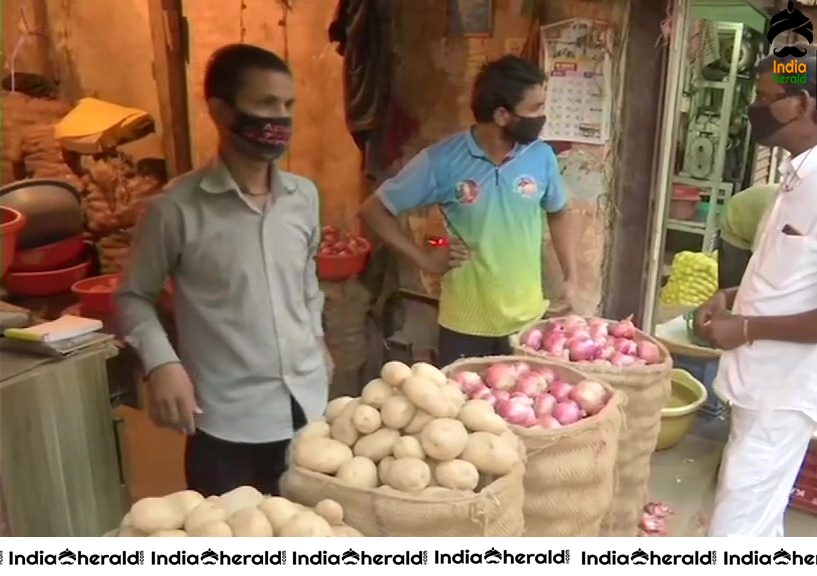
x=410 y=431
x=240 y=512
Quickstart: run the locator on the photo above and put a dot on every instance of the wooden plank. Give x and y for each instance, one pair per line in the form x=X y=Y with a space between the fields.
x=169 y=70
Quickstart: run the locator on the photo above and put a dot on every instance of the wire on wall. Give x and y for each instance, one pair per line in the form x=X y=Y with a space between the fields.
x=241 y=25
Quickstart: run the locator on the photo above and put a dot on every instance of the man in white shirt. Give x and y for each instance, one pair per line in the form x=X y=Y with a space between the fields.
x=768 y=370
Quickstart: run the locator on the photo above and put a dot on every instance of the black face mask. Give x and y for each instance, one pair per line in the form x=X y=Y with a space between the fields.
x=764 y=124
x=525 y=129
x=269 y=137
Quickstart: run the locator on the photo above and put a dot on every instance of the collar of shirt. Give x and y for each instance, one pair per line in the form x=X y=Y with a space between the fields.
x=477 y=152
x=801 y=166
x=218 y=180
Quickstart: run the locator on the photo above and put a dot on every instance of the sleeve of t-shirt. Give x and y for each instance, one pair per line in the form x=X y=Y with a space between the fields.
x=415 y=186
x=554 y=199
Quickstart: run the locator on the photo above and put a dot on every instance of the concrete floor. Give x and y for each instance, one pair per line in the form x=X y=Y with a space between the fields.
x=684 y=477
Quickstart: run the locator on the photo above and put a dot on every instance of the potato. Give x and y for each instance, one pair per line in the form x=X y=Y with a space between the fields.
x=383 y=468
x=454 y=397
x=343 y=429
x=335 y=407
x=359 y=472
x=408 y=447
x=409 y=475
x=429 y=372
x=306 y=524
x=204 y=513
x=330 y=511
x=457 y=475
x=239 y=499
x=151 y=515
x=323 y=455
x=250 y=522
x=397 y=412
x=479 y=416
x=170 y=533
x=125 y=520
x=366 y=419
x=426 y=395
x=316 y=429
x=394 y=373
x=376 y=392
x=421 y=418
x=377 y=446
x=490 y=453
x=211 y=530
x=213 y=499
x=278 y=511
x=186 y=500
x=345 y=532
x=444 y=439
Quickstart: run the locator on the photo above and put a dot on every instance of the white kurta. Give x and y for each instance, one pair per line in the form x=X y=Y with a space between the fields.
x=772 y=386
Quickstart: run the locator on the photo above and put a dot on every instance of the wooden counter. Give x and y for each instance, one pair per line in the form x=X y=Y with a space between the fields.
x=60 y=470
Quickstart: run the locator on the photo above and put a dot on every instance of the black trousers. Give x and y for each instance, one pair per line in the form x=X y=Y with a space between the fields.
x=451 y=346
x=213 y=466
x=732 y=263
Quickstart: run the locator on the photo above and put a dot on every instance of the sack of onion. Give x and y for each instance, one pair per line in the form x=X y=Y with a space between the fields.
x=570 y=428
x=630 y=361
x=240 y=512
x=403 y=461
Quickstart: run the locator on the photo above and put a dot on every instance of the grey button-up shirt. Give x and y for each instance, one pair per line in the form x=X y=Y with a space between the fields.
x=247 y=301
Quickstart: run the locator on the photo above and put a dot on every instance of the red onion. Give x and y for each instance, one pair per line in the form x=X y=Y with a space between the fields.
x=598 y=329
x=521 y=368
x=544 y=405
x=516 y=412
x=548 y=422
x=649 y=352
x=621 y=360
x=605 y=352
x=547 y=374
x=500 y=376
x=555 y=344
x=484 y=393
x=574 y=320
x=625 y=346
x=579 y=333
x=582 y=350
x=560 y=390
x=589 y=395
x=530 y=384
x=501 y=395
x=556 y=327
x=623 y=329
x=533 y=339
x=468 y=381
x=567 y=412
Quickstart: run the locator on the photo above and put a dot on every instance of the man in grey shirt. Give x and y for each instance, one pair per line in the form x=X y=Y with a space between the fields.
x=238 y=238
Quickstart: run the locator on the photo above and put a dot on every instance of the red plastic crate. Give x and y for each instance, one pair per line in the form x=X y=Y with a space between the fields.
x=804 y=498
x=810 y=462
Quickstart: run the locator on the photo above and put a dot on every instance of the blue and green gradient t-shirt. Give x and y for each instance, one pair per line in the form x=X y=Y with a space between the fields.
x=497 y=211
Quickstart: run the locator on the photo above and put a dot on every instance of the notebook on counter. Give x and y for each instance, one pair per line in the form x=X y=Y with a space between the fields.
x=59 y=338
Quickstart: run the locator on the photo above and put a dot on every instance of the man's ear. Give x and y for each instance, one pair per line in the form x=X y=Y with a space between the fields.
x=808 y=105
x=502 y=117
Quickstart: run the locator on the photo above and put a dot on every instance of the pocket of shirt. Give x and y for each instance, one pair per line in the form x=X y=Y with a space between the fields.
x=788 y=257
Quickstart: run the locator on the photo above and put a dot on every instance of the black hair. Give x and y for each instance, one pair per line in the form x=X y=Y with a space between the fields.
x=809 y=59
x=502 y=84
x=227 y=65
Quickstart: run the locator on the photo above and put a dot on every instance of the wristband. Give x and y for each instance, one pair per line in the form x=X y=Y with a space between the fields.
x=746 y=336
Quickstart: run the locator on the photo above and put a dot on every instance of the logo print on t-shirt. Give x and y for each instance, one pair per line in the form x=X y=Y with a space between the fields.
x=467 y=192
x=526 y=187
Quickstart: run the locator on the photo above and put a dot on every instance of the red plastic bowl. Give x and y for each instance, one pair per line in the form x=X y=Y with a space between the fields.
x=51 y=256
x=11 y=222
x=333 y=267
x=95 y=294
x=45 y=283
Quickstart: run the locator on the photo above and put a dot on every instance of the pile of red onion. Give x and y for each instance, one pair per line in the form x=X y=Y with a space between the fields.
x=654 y=520
x=529 y=396
x=594 y=341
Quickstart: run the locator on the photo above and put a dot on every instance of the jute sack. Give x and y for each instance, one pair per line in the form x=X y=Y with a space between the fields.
x=647 y=389
x=495 y=511
x=570 y=473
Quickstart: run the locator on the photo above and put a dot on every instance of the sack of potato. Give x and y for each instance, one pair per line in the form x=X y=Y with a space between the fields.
x=240 y=512
x=402 y=461
x=570 y=427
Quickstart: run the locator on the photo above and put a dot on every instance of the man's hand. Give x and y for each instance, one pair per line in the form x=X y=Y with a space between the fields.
x=173 y=398
x=715 y=307
x=439 y=260
x=726 y=332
